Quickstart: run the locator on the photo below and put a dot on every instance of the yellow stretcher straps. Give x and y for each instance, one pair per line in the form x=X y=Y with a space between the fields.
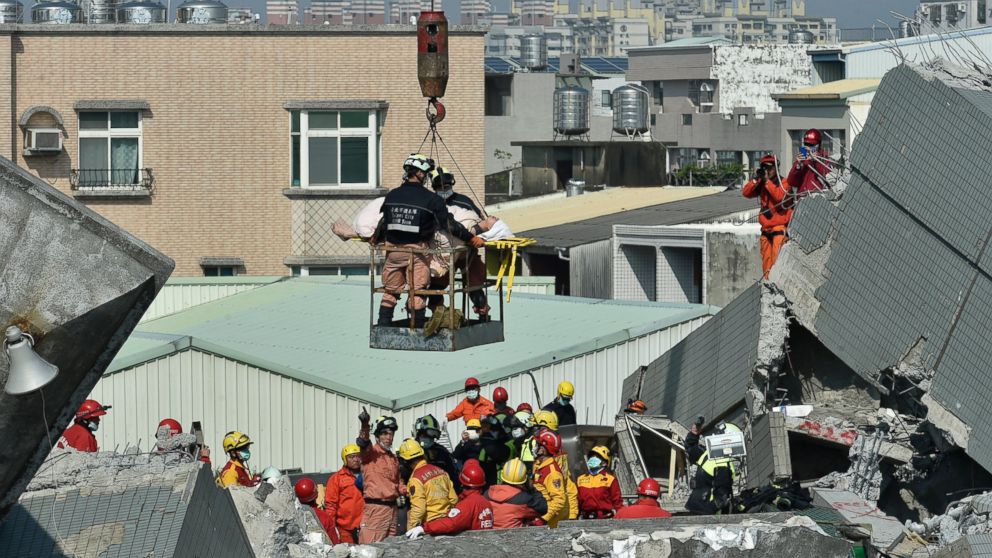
x=509 y=260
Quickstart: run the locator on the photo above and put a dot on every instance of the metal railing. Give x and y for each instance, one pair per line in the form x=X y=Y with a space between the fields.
x=137 y=179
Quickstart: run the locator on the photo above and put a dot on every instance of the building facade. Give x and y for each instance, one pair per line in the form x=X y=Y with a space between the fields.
x=282 y=12
x=232 y=152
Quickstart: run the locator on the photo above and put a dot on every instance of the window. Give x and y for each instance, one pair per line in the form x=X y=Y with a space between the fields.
x=701 y=93
x=334 y=148
x=687 y=120
x=219 y=271
x=742 y=120
x=313 y=270
x=109 y=148
x=728 y=157
x=658 y=93
x=607 y=99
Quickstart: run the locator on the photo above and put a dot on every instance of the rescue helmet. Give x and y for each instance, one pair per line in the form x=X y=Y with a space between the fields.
x=514 y=472
x=271 y=473
x=545 y=418
x=500 y=395
x=235 y=440
x=410 y=449
x=566 y=389
x=524 y=417
x=350 y=449
x=428 y=425
x=812 y=137
x=471 y=383
x=769 y=161
x=418 y=161
x=91 y=409
x=440 y=178
x=513 y=421
x=549 y=440
x=384 y=423
x=602 y=451
x=649 y=487
x=637 y=406
x=525 y=407
x=306 y=490
x=173 y=426
x=472 y=475
x=474 y=423
x=725 y=427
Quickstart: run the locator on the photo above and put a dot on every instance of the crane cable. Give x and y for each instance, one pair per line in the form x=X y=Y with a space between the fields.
x=435 y=137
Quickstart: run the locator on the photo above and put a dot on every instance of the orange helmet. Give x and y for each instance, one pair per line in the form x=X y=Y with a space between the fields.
x=306 y=490
x=637 y=406
x=91 y=409
x=173 y=424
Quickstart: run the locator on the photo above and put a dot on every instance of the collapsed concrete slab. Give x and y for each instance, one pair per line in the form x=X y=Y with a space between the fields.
x=79 y=285
x=277 y=525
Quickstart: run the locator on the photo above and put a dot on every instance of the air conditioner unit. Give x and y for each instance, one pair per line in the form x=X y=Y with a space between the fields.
x=43 y=140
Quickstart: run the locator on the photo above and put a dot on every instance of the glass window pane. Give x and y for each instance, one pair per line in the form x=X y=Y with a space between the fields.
x=93 y=162
x=123 y=120
x=355 y=270
x=323 y=120
x=323 y=160
x=322 y=271
x=355 y=119
x=296 y=160
x=227 y=272
x=210 y=272
x=92 y=121
x=294 y=121
x=354 y=160
x=124 y=160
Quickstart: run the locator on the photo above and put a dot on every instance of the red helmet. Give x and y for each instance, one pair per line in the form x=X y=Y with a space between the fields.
x=500 y=395
x=472 y=475
x=549 y=440
x=91 y=409
x=649 y=487
x=525 y=407
x=769 y=160
x=306 y=490
x=173 y=424
x=471 y=382
x=812 y=137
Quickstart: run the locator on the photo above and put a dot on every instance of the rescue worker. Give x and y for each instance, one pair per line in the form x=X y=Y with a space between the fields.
x=525 y=407
x=548 y=478
x=235 y=471
x=549 y=420
x=473 y=406
x=381 y=479
x=599 y=491
x=428 y=431
x=472 y=513
x=80 y=436
x=471 y=443
x=516 y=425
x=343 y=497
x=635 y=407
x=809 y=171
x=443 y=183
x=647 y=505
x=494 y=451
x=714 y=481
x=170 y=428
x=306 y=493
x=411 y=215
x=776 y=211
x=500 y=406
x=431 y=493
x=515 y=503
x=562 y=405
x=271 y=475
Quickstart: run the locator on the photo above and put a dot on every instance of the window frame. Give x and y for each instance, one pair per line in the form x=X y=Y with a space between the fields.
x=372 y=133
x=109 y=134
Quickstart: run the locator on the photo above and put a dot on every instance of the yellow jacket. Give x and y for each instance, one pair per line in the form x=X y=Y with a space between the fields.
x=431 y=494
x=549 y=481
x=571 y=490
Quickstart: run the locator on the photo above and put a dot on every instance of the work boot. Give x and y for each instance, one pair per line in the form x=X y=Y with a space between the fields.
x=385 y=316
x=480 y=304
x=420 y=318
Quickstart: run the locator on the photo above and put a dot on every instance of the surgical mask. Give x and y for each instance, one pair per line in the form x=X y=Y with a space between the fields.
x=92 y=425
x=565 y=400
x=473 y=434
x=425 y=442
x=245 y=455
x=445 y=194
x=472 y=394
x=385 y=446
x=595 y=464
x=518 y=432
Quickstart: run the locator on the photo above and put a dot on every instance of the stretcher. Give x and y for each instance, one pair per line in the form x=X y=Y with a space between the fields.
x=508 y=247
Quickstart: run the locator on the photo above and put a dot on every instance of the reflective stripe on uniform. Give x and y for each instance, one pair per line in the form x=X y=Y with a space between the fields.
x=403 y=228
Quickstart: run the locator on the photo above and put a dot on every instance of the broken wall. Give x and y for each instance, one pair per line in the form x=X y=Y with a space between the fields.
x=750 y=74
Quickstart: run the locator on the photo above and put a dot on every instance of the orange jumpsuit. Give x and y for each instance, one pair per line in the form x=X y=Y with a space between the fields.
x=469 y=410
x=774 y=217
x=381 y=472
x=345 y=506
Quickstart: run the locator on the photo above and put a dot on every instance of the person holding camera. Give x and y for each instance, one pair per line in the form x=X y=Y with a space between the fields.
x=776 y=209
x=809 y=171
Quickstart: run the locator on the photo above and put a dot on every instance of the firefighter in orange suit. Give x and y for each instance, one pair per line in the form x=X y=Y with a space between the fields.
x=599 y=491
x=776 y=209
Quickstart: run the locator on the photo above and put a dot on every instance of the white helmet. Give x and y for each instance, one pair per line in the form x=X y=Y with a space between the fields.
x=271 y=473
x=420 y=162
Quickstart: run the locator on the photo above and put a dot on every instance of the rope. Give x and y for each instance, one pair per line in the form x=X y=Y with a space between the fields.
x=435 y=137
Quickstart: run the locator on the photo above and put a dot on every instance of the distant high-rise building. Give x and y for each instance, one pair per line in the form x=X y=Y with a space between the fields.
x=331 y=12
x=536 y=12
x=239 y=16
x=282 y=12
x=476 y=12
x=407 y=11
x=362 y=12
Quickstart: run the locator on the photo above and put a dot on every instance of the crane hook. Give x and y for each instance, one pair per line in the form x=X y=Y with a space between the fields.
x=438 y=115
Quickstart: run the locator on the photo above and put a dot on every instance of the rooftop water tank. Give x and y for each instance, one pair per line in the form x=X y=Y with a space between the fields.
x=102 y=11
x=534 y=52
x=56 y=12
x=630 y=109
x=141 y=12
x=571 y=110
x=202 y=12
x=801 y=37
x=11 y=11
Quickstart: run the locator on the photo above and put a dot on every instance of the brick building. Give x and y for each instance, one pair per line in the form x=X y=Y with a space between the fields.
x=231 y=151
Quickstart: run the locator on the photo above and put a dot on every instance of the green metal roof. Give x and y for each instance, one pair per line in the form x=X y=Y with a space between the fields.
x=234 y=280
x=315 y=329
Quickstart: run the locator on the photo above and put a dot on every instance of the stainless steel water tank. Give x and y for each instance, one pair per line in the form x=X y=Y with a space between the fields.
x=101 y=11
x=11 y=11
x=801 y=37
x=571 y=110
x=141 y=12
x=534 y=52
x=630 y=109
x=202 y=12
x=57 y=12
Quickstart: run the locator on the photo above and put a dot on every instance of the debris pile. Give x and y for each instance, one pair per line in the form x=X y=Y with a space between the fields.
x=968 y=516
x=277 y=525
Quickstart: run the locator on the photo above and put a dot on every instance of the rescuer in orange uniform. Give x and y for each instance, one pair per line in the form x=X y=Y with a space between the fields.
x=343 y=498
x=599 y=491
x=647 y=505
x=776 y=212
x=473 y=512
x=381 y=475
x=514 y=503
x=80 y=436
x=235 y=471
x=306 y=492
x=474 y=406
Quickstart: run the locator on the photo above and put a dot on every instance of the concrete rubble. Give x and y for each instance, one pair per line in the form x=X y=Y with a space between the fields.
x=276 y=523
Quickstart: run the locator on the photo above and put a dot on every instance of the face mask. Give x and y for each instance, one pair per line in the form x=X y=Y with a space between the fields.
x=245 y=455
x=425 y=442
x=565 y=400
x=445 y=194
x=93 y=426
x=385 y=446
x=472 y=394
x=473 y=434
x=595 y=464
x=518 y=432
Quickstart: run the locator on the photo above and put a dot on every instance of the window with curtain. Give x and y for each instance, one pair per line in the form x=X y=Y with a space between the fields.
x=109 y=148
x=334 y=148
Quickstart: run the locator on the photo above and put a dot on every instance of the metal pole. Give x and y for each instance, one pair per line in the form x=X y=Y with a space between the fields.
x=655 y=432
x=371 y=284
x=637 y=449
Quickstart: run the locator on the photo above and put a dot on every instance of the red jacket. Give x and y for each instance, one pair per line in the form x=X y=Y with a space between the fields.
x=642 y=509
x=325 y=519
x=78 y=437
x=343 y=502
x=810 y=175
x=473 y=513
x=515 y=507
x=469 y=410
x=599 y=495
x=776 y=212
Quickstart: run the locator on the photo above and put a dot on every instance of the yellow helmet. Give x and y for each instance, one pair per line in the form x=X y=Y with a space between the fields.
x=546 y=418
x=473 y=423
x=410 y=450
x=514 y=472
x=236 y=440
x=602 y=451
x=350 y=449
x=566 y=389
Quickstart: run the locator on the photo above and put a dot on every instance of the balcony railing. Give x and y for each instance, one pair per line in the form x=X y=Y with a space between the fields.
x=117 y=179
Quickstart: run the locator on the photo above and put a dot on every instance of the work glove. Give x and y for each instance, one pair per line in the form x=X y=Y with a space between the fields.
x=415 y=533
x=364 y=416
x=478 y=242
